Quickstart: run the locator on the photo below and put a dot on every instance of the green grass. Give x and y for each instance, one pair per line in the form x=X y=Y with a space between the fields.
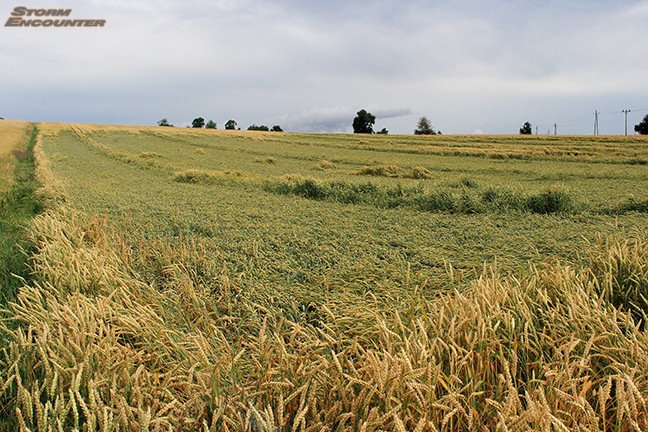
x=17 y=206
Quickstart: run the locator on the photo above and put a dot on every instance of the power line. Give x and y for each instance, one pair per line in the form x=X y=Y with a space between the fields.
x=625 y=112
x=609 y=113
x=574 y=121
x=597 y=117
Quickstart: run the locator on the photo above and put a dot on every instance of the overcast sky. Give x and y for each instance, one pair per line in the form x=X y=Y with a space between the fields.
x=470 y=66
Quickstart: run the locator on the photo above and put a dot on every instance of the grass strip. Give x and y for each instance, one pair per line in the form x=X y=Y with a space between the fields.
x=17 y=206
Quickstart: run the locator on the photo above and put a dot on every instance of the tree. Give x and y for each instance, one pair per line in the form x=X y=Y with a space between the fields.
x=424 y=127
x=164 y=122
x=363 y=122
x=254 y=127
x=211 y=124
x=198 y=123
x=276 y=128
x=642 y=128
x=230 y=125
x=526 y=129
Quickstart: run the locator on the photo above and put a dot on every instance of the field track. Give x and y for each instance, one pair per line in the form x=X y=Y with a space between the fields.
x=12 y=137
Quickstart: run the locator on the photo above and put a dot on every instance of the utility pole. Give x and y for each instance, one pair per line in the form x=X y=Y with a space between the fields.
x=626 y=111
x=596 y=128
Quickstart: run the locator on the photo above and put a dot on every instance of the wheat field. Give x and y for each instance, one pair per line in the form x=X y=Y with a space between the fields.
x=206 y=280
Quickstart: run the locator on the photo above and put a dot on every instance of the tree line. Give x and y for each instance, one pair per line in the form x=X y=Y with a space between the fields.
x=199 y=123
x=363 y=124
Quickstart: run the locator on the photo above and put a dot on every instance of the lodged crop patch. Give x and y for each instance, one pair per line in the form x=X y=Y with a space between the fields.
x=203 y=290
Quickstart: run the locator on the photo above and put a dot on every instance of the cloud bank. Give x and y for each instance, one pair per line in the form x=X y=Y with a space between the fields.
x=311 y=65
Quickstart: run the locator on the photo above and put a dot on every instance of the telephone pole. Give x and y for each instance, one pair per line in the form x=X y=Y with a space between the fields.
x=626 y=111
x=596 y=128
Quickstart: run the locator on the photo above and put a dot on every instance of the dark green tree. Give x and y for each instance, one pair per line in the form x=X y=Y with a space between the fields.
x=363 y=122
x=424 y=127
x=642 y=128
x=230 y=125
x=526 y=129
x=254 y=127
x=276 y=128
x=164 y=122
x=198 y=123
x=211 y=124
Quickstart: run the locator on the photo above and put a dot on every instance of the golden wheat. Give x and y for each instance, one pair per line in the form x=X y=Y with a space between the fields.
x=95 y=348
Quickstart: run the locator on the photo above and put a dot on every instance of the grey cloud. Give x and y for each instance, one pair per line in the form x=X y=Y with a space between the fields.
x=467 y=65
x=381 y=113
x=336 y=119
x=331 y=119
